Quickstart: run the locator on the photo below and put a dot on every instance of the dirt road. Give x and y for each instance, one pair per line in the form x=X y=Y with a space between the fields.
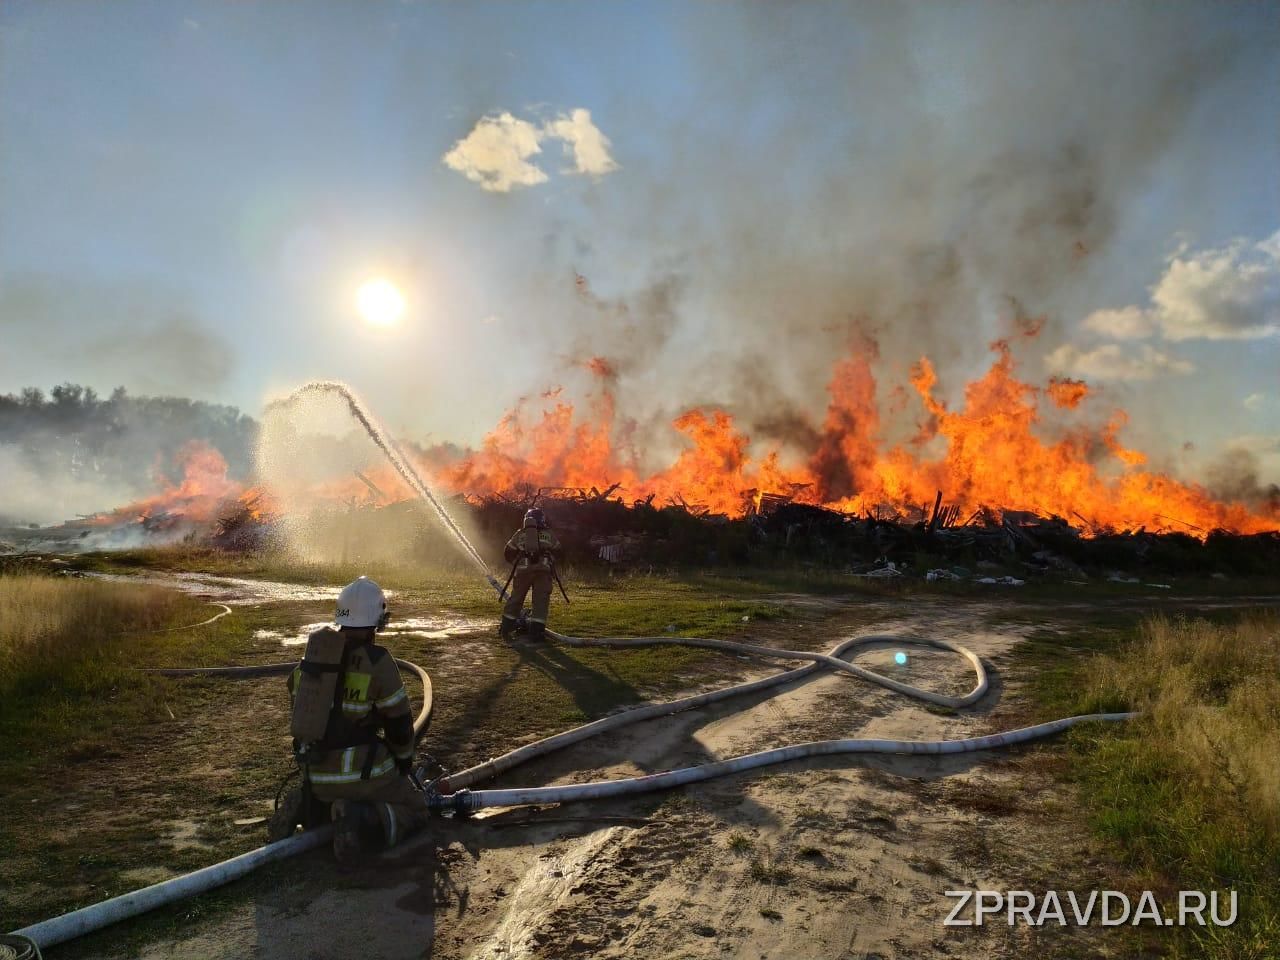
x=828 y=858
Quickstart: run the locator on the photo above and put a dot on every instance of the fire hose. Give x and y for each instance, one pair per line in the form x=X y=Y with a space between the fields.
x=77 y=923
x=452 y=792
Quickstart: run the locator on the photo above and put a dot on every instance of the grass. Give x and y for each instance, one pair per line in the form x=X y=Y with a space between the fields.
x=740 y=842
x=68 y=649
x=72 y=704
x=775 y=874
x=124 y=768
x=1189 y=794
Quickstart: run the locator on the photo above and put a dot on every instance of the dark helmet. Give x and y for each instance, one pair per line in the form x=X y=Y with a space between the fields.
x=534 y=517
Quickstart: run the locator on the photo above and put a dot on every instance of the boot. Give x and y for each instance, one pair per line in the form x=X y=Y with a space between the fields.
x=507 y=629
x=287 y=816
x=356 y=831
x=537 y=631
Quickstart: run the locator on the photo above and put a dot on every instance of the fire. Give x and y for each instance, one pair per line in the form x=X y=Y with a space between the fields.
x=996 y=452
x=194 y=498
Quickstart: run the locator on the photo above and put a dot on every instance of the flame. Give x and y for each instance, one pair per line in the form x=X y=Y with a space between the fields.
x=994 y=451
x=196 y=497
x=997 y=453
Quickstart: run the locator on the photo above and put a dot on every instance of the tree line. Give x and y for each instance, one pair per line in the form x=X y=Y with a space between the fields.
x=74 y=433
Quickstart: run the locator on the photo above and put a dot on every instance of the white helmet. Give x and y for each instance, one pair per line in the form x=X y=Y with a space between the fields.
x=361 y=604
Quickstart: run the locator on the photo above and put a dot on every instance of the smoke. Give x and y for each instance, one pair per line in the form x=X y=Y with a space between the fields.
x=1236 y=475
x=73 y=452
x=105 y=335
x=35 y=496
x=923 y=175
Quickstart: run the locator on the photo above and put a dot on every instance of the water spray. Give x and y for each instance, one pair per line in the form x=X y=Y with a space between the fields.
x=396 y=457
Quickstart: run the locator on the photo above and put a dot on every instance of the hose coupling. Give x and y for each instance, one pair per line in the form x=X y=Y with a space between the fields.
x=464 y=801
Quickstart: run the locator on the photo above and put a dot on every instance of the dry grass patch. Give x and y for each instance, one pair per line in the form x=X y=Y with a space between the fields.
x=1210 y=695
x=46 y=620
x=1190 y=792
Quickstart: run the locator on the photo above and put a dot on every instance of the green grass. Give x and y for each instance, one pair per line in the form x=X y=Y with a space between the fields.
x=740 y=843
x=1189 y=794
x=69 y=649
x=88 y=739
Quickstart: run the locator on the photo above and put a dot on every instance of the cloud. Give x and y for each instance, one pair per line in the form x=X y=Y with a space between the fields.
x=496 y=153
x=1127 y=323
x=1110 y=362
x=589 y=145
x=1255 y=401
x=1227 y=293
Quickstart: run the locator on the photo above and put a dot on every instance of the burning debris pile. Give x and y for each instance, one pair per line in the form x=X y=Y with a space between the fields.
x=203 y=505
x=1011 y=446
x=1015 y=475
x=600 y=529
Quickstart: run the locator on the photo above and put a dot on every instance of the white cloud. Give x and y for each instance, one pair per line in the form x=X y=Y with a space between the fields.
x=1228 y=293
x=1127 y=323
x=589 y=145
x=1110 y=361
x=495 y=154
x=1255 y=401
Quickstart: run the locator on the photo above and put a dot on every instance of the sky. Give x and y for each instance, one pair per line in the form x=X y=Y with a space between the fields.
x=192 y=193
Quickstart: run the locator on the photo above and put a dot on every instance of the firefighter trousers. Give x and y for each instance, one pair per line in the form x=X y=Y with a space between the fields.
x=401 y=809
x=537 y=579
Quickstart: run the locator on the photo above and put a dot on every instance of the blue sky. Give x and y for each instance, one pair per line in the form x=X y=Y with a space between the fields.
x=190 y=194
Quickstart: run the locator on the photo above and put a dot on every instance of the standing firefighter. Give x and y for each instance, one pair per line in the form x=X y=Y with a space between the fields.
x=530 y=552
x=353 y=735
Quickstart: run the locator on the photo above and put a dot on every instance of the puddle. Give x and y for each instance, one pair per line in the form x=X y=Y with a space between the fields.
x=432 y=628
x=234 y=591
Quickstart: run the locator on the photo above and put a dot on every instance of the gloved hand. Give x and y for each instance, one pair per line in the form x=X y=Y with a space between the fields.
x=404 y=765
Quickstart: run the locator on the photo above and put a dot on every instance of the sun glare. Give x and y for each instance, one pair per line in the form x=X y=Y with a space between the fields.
x=379 y=302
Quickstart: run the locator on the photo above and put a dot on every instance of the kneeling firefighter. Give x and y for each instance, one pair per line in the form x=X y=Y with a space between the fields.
x=530 y=551
x=345 y=690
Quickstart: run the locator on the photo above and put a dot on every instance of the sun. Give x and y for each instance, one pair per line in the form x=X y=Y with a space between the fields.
x=379 y=302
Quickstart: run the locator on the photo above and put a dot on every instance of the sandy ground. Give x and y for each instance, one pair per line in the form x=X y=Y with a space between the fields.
x=828 y=858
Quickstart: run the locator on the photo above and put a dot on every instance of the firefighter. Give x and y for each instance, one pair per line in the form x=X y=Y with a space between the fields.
x=530 y=551
x=360 y=764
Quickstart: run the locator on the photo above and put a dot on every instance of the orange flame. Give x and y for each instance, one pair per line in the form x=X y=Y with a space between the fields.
x=195 y=497
x=994 y=456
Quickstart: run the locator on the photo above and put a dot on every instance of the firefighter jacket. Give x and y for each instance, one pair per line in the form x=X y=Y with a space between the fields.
x=533 y=547
x=371 y=698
